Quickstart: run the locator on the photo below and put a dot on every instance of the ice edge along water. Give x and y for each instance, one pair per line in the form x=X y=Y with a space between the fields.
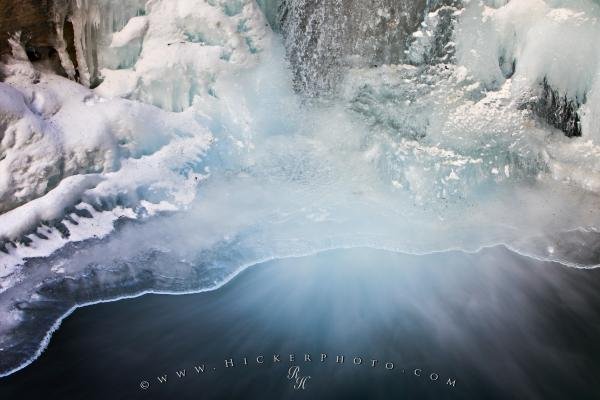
x=43 y=345
x=414 y=158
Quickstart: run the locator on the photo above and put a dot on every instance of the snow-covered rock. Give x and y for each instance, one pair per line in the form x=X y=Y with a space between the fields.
x=59 y=139
x=548 y=48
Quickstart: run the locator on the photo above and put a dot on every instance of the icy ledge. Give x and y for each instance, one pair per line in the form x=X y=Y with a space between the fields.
x=69 y=155
x=75 y=160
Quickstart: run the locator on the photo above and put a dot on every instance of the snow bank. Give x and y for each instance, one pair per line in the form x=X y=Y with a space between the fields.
x=19 y=221
x=56 y=128
x=62 y=144
x=552 y=41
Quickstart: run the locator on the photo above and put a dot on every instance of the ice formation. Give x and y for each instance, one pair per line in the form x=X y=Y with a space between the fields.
x=210 y=142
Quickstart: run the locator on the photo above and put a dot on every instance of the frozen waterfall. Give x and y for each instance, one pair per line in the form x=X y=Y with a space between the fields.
x=180 y=141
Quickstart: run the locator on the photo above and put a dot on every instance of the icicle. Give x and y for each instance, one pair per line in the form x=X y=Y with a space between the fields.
x=60 y=10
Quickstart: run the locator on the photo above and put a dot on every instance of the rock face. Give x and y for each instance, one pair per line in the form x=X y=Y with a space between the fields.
x=559 y=111
x=323 y=37
x=44 y=31
x=33 y=18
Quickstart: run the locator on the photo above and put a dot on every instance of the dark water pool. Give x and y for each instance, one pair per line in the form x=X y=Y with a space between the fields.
x=493 y=325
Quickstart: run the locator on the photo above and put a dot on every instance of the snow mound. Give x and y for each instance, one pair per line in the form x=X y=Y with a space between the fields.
x=62 y=144
x=534 y=42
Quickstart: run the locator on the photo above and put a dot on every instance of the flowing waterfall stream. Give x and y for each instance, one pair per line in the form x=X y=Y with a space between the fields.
x=223 y=134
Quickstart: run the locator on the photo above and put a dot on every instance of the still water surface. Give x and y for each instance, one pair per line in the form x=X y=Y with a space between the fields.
x=492 y=325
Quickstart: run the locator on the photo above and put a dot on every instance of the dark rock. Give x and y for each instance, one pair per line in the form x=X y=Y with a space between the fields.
x=44 y=29
x=32 y=18
x=322 y=38
x=442 y=49
x=62 y=228
x=558 y=110
x=83 y=213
